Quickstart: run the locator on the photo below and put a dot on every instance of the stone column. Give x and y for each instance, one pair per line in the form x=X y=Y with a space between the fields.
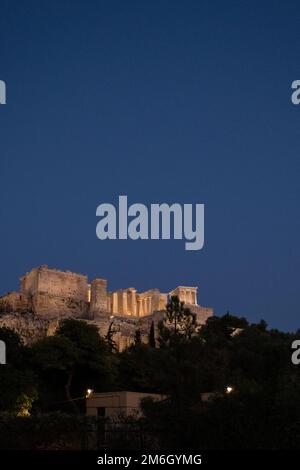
x=114 y=302
x=133 y=302
x=182 y=295
x=124 y=302
x=149 y=305
x=155 y=300
x=141 y=310
x=120 y=301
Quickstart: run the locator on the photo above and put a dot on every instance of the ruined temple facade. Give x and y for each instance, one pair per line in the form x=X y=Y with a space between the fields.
x=52 y=294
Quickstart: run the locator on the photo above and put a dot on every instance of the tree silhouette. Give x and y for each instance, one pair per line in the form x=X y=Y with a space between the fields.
x=152 y=341
x=179 y=322
x=138 y=337
x=109 y=338
x=175 y=312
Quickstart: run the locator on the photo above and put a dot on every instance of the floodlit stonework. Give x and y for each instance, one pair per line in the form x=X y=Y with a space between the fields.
x=49 y=295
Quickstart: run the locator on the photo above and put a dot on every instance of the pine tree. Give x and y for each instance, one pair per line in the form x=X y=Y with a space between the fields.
x=152 y=342
x=138 y=337
x=179 y=321
x=175 y=312
x=109 y=338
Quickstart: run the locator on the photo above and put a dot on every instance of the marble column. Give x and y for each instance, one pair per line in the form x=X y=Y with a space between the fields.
x=149 y=306
x=124 y=303
x=133 y=302
x=115 y=302
x=141 y=310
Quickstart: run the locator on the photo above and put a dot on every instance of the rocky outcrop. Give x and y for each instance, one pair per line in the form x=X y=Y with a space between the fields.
x=29 y=326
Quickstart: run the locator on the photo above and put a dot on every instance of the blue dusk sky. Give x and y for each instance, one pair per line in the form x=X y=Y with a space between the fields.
x=163 y=101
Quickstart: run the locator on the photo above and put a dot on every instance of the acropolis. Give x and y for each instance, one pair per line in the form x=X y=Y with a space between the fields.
x=51 y=295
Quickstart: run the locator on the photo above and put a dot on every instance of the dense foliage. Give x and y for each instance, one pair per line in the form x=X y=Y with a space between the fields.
x=184 y=363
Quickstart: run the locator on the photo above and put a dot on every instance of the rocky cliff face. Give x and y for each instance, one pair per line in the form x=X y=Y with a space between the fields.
x=29 y=326
x=32 y=327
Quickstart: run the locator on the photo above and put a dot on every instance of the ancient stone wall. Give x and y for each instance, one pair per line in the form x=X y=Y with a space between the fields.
x=56 y=293
x=63 y=283
x=29 y=282
x=29 y=327
x=202 y=313
x=163 y=300
x=188 y=295
x=99 y=298
x=14 y=302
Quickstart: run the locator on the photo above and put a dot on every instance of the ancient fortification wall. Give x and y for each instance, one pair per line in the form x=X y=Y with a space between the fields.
x=14 y=302
x=55 y=293
x=99 y=298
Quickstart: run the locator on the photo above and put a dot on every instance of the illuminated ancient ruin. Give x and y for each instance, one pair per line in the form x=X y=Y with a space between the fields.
x=52 y=295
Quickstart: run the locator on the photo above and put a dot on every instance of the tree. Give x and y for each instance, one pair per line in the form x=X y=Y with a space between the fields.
x=95 y=365
x=138 y=337
x=57 y=353
x=175 y=312
x=140 y=368
x=152 y=341
x=109 y=338
x=16 y=384
x=217 y=331
x=24 y=404
x=78 y=359
x=179 y=323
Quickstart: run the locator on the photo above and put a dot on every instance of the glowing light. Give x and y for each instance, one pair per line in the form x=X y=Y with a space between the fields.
x=89 y=392
x=229 y=389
